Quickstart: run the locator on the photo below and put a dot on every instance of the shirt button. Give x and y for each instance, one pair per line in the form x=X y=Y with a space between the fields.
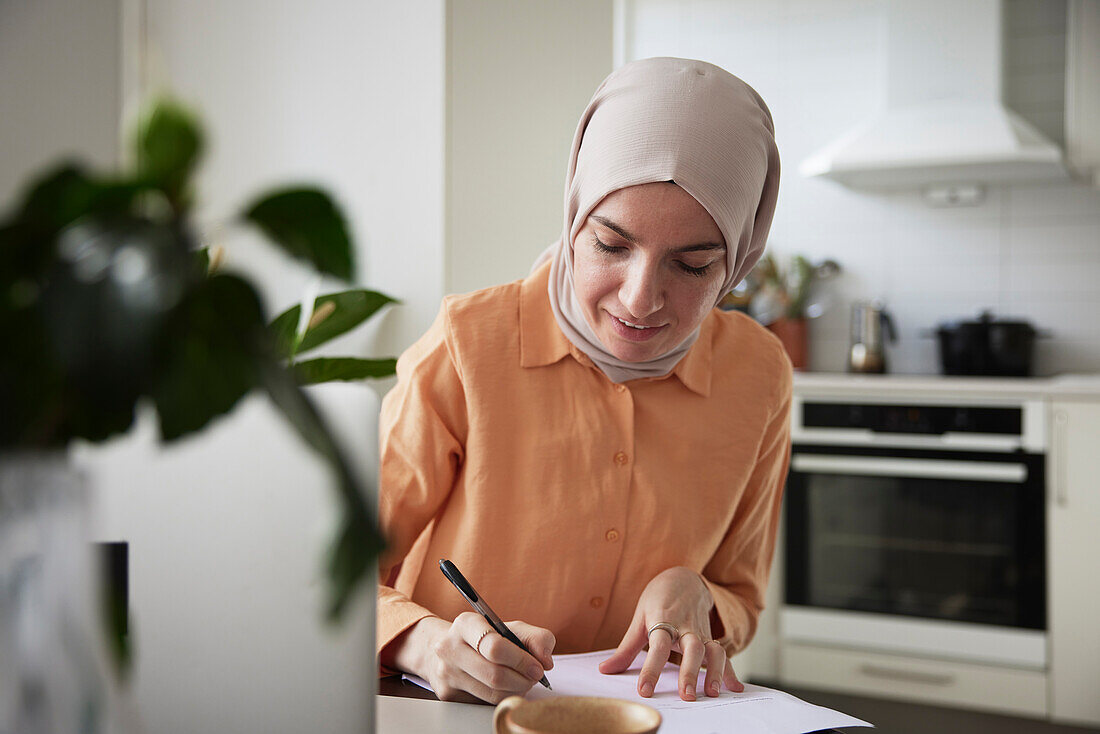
x=596 y=602
x=612 y=535
x=621 y=388
x=620 y=458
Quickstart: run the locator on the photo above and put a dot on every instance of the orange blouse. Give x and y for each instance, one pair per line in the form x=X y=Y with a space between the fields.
x=560 y=494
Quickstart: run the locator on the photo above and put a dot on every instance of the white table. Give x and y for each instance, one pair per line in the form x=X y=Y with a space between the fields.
x=415 y=715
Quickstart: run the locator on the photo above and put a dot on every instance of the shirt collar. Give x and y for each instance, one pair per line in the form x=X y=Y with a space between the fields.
x=694 y=370
x=541 y=341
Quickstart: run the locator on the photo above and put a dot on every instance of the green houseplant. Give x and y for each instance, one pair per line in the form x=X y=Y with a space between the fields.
x=108 y=299
x=782 y=296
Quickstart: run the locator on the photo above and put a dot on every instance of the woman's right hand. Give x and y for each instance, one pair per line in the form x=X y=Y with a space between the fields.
x=466 y=660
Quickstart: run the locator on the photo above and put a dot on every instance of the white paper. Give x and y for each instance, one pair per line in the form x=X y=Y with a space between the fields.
x=758 y=710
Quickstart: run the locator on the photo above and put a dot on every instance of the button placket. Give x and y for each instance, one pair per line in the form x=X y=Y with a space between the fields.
x=620 y=438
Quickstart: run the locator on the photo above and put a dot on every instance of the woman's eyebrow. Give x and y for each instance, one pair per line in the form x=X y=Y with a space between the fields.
x=617 y=229
x=614 y=228
x=702 y=246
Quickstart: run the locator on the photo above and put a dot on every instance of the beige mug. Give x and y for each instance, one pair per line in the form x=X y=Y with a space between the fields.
x=573 y=714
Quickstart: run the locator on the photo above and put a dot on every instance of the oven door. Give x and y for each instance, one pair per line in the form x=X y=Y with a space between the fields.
x=950 y=544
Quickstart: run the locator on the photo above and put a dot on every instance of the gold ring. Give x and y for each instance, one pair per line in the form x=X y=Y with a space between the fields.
x=672 y=631
x=477 y=645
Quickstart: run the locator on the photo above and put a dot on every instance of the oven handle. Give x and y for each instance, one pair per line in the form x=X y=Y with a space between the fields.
x=928 y=468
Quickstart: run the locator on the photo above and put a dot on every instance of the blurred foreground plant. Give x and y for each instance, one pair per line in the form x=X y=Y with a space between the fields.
x=106 y=299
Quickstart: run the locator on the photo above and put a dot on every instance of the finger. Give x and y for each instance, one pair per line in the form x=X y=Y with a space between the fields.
x=459 y=670
x=492 y=660
x=629 y=647
x=730 y=678
x=500 y=679
x=502 y=651
x=462 y=687
x=715 y=657
x=660 y=644
x=539 y=640
x=691 y=650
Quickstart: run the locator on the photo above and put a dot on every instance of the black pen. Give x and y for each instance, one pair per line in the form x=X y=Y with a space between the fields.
x=482 y=607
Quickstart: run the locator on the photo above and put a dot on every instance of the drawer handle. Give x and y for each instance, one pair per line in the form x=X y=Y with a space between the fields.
x=911 y=676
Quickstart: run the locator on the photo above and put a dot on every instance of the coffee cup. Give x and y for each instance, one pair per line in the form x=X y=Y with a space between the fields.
x=573 y=714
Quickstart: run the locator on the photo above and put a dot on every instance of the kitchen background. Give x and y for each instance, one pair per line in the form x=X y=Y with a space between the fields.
x=443 y=127
x=1026 y=251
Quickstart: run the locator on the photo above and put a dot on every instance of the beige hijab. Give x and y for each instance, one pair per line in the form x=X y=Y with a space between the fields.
x=667 y=119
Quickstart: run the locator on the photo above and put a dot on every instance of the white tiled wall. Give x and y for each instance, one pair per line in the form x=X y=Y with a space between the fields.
x=1030 y=252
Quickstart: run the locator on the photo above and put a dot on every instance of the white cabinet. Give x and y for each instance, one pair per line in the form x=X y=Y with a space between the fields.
x=999 y=689
x=1073 y=541
x=1082 y=91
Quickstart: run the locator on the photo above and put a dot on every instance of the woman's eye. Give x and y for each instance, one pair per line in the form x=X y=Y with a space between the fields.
x=698 y=272
x=601 y=247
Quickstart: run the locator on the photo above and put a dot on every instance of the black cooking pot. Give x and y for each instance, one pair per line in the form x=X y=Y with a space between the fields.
x=986 y=347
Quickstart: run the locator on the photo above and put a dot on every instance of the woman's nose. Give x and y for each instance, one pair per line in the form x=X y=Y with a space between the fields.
x=641 y=292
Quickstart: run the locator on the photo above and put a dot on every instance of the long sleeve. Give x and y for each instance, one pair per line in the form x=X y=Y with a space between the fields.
x=737 y=575
x=423 y=427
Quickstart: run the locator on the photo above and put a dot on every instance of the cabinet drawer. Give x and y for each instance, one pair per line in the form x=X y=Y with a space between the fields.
x=989 y=688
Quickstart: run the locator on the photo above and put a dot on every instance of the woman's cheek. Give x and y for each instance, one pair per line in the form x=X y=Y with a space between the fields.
x=596 y=279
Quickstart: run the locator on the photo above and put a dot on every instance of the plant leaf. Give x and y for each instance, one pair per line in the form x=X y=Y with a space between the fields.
x=337 y=313
x=351 y=555
x=285 y=331
x=66 y=193
x=168 y=146
x=327 y=369
x=357 y=542
x=57 y=198
x=215 y=350
x=307 y=224
x=202 y=261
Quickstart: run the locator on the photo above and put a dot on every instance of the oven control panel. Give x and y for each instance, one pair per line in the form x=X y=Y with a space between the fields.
x=1006 y=425
x=923 y=419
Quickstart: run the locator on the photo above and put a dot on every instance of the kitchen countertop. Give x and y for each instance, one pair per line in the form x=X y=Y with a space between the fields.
x=1061 y=387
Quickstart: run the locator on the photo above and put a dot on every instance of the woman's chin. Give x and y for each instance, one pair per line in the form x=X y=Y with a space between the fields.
x=632 y=352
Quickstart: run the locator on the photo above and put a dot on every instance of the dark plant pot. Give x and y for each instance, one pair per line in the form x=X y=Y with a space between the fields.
x=987 y=347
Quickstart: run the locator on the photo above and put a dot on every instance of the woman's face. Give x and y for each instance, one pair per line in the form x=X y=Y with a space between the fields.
x=647 y=268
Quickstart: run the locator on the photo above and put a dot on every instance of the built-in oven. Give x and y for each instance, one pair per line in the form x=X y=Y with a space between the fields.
x=917 y=527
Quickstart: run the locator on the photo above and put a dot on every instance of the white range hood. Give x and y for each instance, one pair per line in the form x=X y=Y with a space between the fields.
x=944 y=123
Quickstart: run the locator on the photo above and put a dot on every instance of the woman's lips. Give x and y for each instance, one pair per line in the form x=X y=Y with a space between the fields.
x=631 y=333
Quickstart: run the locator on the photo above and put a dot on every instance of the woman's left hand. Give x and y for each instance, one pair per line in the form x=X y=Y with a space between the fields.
x=677 y=597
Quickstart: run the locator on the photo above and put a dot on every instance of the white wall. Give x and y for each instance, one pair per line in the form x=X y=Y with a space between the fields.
x=345 y=94
x=1031 y=252
x=59 y=86
x=519 y=73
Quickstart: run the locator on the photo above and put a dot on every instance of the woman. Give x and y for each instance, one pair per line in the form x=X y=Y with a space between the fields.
x=596 y=447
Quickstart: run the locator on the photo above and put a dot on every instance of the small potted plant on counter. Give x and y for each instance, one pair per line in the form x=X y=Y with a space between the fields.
x=783 y=297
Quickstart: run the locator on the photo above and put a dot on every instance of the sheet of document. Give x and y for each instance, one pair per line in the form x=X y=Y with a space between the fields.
x=758 y=710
